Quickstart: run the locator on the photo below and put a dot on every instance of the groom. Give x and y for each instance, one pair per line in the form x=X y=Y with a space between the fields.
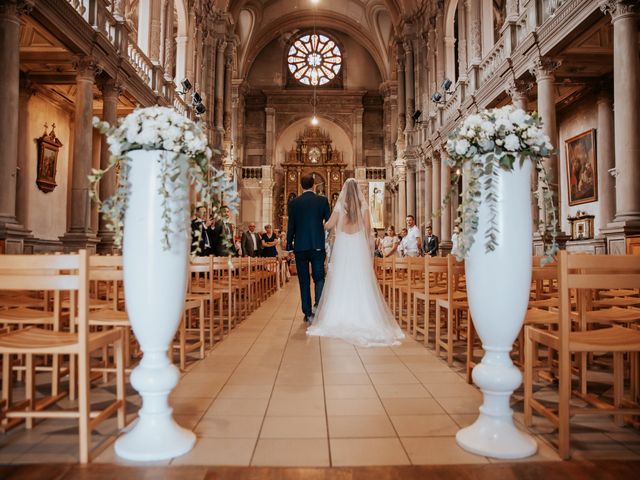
x=305 y=236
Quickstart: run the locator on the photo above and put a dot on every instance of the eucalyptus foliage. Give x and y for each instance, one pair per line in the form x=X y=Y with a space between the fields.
x=486 y=142
x=181 y=140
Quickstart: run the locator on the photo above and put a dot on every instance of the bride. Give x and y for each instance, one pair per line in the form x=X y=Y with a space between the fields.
x=352 y=307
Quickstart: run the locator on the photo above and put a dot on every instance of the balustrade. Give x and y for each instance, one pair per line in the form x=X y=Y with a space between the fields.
x=252 y=173
x=376 y=173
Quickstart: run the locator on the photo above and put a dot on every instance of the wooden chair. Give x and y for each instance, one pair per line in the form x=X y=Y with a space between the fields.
x=63 y=273
x=202 y=295
x=407 y=289
x=454 y=303
x=583 y=273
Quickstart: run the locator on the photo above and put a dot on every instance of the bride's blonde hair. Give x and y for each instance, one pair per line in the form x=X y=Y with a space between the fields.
x=352 y=204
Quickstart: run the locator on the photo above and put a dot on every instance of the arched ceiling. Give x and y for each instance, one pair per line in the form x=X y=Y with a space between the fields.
x=372 y=23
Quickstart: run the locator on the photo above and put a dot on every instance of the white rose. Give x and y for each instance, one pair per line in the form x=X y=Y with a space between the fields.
x=504 y=123
x=512 y=142
x=462 y=146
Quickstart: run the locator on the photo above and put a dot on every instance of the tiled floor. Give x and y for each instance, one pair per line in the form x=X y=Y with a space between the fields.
x=270 y=396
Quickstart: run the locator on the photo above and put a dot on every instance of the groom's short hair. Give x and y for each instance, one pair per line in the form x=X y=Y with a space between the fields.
x=306 y=182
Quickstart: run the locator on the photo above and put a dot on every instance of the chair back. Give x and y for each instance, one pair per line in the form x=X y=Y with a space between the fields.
x=107 y=269
x=56 y=273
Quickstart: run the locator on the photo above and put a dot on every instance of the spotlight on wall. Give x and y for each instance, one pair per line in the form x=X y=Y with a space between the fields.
x=200 y=109
x=436 y=97
x=416 y=116
x=186 y=86
x=314 y=121
x=446 y=84
x=196 y=98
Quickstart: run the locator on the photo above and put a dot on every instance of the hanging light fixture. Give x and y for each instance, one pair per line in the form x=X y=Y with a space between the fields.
x=314 y=119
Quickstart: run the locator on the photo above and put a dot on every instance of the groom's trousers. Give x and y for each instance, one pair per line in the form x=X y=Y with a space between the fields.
x=316 y=259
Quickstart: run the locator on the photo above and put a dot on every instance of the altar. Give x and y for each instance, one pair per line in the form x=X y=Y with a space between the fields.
x=313 y=154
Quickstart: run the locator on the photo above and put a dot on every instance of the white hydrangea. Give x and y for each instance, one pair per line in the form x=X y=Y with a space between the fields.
x=472 y=121
x=462 y=146
x=518 y=117
x=512 y=142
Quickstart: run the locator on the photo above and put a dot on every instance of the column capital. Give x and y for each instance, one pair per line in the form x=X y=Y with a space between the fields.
x=17 y=8
x=111 y=88
x=87 y=67
x=619 y=8
x=222 y=45
x=27 y=87
x=517 y=88
x=543 y=67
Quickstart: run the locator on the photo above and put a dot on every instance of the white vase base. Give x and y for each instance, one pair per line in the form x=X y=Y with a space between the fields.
x=496 y=438
x=158 y=438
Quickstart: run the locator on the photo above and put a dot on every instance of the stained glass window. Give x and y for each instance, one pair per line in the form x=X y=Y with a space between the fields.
x=314 y=59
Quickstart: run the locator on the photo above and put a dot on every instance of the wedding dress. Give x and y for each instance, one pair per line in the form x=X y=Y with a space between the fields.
x=352 y=307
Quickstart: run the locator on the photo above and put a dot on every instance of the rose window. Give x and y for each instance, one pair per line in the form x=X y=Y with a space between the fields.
x=314 y=59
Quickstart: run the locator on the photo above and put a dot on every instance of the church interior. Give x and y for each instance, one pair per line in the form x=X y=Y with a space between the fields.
x=335 y=89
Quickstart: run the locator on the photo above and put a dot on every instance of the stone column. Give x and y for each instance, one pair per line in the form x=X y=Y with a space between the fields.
x=543 y=69
x=25 y=150
x=435 y=195
x=606 y=157
x=419 y=211
x=411 y=192
x=409 y=82
x=219 y=101
x=110 y=93
x=80 y=234
x=228 y=79
x=169 y=52
x=518 y=90
x=358 y=140
x=270 y=134
x=626 y=98
x=428 y=200
x=445 y=219
x=402 y=119
x=472 y=10
x=463 y=62
x=402 y=192
x=155 y=31
x=11 y=232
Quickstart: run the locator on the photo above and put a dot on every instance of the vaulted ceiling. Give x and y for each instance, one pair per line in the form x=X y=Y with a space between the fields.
x=372 y=23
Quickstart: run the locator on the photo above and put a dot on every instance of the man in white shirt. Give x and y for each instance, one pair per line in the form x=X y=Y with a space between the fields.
x=251 y=242
x=411 y=244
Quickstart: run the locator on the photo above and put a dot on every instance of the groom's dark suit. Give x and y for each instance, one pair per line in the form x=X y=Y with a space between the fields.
x=305 y=236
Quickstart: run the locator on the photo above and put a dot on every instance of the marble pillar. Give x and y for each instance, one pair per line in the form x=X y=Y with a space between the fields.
x=25 y=146
x=428 y=197
x=402 y=193
x=605 y=145
x=270 y=135
x=80 y=235
x=409 y=82
x=11 y=232
x=445 y=219
x=402 y=119
x=543 y=68
x=435 y=195
x=110 y=93
x=228 y=84
x=411 y=192
x=219 y=92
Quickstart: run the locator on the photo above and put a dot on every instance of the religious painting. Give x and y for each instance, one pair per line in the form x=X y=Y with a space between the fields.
x=582 y=169
x=48 y=147
x=376 y=204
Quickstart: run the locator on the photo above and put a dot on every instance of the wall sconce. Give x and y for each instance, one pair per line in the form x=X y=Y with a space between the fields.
x=186 y=86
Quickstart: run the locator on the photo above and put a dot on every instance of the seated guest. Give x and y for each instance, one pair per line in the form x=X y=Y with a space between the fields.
x=269 y=242
x=251 y=242
x=431 y=243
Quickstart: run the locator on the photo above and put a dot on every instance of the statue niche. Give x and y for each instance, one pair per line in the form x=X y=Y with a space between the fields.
x=313 y=154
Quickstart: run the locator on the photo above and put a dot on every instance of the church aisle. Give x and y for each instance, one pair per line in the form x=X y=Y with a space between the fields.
x=270 y=396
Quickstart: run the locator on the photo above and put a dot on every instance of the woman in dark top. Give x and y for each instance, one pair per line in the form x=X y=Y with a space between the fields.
x=269 y=241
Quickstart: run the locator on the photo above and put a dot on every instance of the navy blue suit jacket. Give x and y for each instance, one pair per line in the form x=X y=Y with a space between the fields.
x=306 y=230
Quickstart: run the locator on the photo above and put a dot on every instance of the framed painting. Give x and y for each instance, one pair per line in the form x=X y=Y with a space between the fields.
x=48 y=148
x=582 y=171
x=376 y=204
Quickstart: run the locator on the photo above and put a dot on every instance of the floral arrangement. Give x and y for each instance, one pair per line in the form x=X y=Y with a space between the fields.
x=183 y=140
x=487 y=141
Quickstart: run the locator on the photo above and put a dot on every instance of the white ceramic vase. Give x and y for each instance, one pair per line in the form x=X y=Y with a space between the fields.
x=155 y=283
x=498 y=285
